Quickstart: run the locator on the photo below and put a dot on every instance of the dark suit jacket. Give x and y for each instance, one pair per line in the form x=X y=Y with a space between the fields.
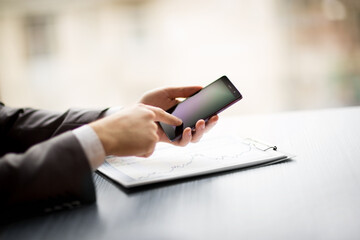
x=42 y=165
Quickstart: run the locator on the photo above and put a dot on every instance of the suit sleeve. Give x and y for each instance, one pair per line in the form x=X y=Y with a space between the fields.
x=52 y=174
x=42 y=165
x=21 y=128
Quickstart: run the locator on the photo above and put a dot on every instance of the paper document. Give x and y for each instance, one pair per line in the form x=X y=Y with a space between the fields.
x=169 y=162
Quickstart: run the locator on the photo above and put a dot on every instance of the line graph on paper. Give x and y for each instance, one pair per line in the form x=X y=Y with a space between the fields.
x=208 y=154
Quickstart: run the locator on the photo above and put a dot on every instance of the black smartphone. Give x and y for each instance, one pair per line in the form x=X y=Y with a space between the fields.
x=204 y=104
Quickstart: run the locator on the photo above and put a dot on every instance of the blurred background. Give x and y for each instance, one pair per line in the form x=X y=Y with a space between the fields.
x=282 y=55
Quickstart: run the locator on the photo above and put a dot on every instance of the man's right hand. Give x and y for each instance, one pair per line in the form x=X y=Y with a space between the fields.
x=132 y=131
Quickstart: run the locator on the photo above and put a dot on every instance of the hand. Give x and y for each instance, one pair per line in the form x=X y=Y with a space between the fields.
x=165 y=98
x=132 y=131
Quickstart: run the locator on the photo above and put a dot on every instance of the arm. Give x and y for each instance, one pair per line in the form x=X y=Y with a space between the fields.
x=55 y=169
x=50 y=175
x=56 y=172
x=37 y=173
x=21 y=128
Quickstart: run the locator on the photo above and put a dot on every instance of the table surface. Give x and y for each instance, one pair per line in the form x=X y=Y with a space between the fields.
x=314 y=196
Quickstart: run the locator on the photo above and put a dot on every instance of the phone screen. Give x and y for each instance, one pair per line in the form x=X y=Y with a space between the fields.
x=209 y=101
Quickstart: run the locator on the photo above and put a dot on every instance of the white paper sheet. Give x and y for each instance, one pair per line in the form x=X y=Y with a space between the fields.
x=169 y=162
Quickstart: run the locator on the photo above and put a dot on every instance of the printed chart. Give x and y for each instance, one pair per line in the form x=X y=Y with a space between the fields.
x=170 y=162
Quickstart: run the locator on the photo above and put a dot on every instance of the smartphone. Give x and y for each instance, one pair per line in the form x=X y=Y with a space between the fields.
x=204 y=104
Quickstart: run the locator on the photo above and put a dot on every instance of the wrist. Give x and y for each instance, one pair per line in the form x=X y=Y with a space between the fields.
x=99 y=131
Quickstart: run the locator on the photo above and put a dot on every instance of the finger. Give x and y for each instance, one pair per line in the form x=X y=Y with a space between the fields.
x=199 y=131
x=186 y=138
x=211 y=122
x=162 y=116
x=146 y=155
x=175 y=92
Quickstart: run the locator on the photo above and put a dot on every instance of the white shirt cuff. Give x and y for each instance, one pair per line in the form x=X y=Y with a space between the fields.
x=91 y=145
x=112 y=110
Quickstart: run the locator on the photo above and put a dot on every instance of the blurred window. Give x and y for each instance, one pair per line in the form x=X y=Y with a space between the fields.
x=39 y=36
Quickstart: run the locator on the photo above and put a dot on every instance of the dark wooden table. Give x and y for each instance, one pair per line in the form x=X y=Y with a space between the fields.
x=314 y=196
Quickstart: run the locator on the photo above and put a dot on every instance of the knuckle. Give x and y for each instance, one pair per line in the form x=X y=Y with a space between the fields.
x=150 y=114
x=156 y=138
x=140 y=105
x=151 y=143
x=148 y=154
x=154 y=126
x=150 y=148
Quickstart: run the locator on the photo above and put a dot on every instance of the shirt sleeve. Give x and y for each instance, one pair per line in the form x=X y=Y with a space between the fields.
x=112 y=110
x=91 y=145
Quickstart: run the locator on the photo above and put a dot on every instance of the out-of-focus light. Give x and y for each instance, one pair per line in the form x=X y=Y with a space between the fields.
x=334 y=10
